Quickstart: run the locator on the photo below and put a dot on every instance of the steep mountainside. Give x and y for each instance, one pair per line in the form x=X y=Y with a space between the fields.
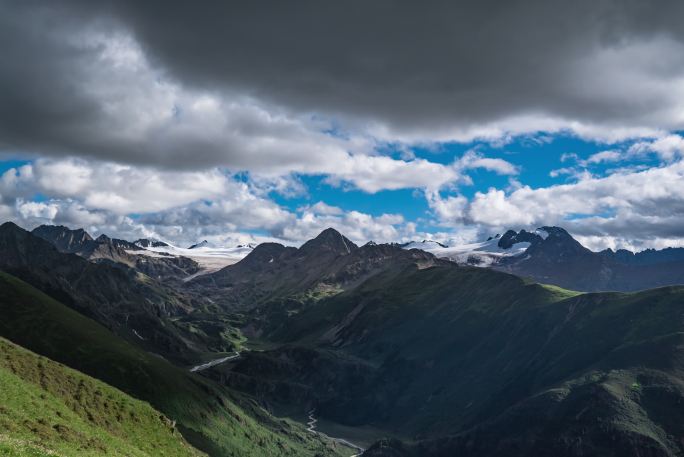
x=210 y=417
x=147 y=243
x=559 y=259
x=551 y=255
x=49 y=409
x=499 y=366
x=322 y=266
x=153 y=264
x=127 y=302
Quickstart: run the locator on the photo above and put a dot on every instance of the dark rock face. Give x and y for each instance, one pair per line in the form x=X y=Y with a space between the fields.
x=64 y=239
x=199 y=245
x=473 y=362
x=647 y=257
x=329 y=240
x=145 y=243
x=104 y=248
x=561 y=260
x=106 y=291
x=329 y=261
x=510 y=238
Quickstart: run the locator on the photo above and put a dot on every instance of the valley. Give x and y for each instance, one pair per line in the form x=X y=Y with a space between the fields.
x=341 y=229
x=385 y=345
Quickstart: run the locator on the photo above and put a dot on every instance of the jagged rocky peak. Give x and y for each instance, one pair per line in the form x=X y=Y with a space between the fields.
x=201 y=244
x=546 y=235
x=116 y=243
x=436 y=243
x=329 y=240
x=9 y=228
x=149 y=243
x=556 y=235
x=555 y=232
x=103 y=239
x=265 y=254
x=511 y=237
x=64 y=238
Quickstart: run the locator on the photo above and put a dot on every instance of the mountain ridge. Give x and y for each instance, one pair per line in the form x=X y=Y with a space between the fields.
x=551 y=255
x=322 y=266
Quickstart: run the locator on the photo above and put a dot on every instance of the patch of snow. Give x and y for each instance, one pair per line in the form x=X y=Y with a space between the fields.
x=215 y=362
x=542 y=233
x=424 y=245
x=145 y=252
x=210 y=259
x=201 y=244
x=138 y=334
x=482 y=254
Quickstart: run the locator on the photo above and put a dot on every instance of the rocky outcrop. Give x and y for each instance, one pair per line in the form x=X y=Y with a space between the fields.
x=104 y=248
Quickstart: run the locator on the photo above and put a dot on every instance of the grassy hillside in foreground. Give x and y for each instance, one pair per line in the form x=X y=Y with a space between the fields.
x=49 y=409
x=207 y=415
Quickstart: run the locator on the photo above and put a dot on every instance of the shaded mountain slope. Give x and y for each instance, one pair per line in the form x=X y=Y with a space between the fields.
x=480 y=356
x=49 y=409
x=103 y=248
x=324 y=265
x=560 y=259
x=410 y=331
x=612 y=413
x=208 y=415
x=551 y=255
x=125 y=301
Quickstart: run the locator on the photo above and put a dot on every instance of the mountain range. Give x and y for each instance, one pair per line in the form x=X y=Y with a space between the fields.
x=551 y=255
x=399 y=350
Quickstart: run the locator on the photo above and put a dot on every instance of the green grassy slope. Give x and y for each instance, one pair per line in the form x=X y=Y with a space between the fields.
x=403 y=350
x=483 y=355
x=210 y=417
x=49 y=409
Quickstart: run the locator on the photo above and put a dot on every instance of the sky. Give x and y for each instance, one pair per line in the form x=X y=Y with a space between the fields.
x=387 y=120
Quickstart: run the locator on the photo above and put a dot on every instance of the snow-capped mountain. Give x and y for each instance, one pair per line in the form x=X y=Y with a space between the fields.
x=201 y=244
x=210 y=257
x=483 y=254
x=149 y=243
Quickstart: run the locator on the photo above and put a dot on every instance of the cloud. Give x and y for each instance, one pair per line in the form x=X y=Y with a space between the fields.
x=472 y=160
x=359 y=227
x=121 y=189
x=668 y=147
x=608 y=70
x=642 y=206
x=602 y=157
x=37 y=210
x=182 y=207
x=258 y=87
x=141 y=123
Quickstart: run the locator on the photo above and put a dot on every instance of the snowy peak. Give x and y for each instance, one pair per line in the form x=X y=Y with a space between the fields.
x=511 y=237
x=512 y=246
x=424 y=245
x=481 y=254
x=149 y=243
x=556 y=242
x=201 y=244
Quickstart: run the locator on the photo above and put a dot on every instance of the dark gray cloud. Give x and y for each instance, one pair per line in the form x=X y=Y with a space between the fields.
x=424 y=64
x=260 y=86
x=128 y=80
